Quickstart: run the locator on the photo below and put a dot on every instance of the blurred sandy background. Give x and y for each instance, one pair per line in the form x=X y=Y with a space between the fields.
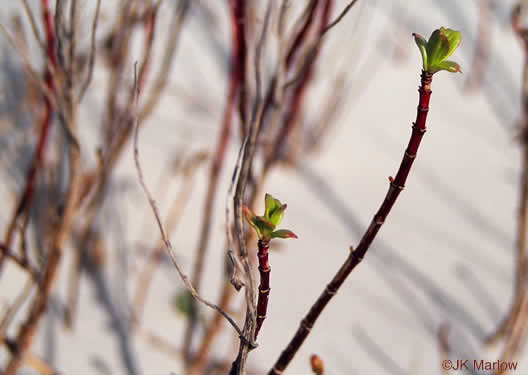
x=445 y=255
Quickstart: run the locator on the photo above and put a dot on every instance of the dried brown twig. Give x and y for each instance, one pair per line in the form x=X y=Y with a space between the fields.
x=514 y=327
x=91 y=58
x=168 y=246
x=59 y=237
x=246 y=339
x=521 y=263
x=176 y=211
x=25 y=201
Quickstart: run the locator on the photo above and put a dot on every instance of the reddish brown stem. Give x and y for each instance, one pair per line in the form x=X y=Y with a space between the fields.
x=264 y=287
x=22 y=262
x=300 y=90
x=26 y=199
x=240 y=54
x=396 y=186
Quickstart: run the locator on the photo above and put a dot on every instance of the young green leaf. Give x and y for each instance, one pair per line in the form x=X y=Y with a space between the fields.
x=437 y=49
x=454 y=37
x=450 y=66
x=277 y=215
x=264 y=228
x=272 y=205
x=265 y=225
x=251 y=218
x=283 y=233
x=422 y=46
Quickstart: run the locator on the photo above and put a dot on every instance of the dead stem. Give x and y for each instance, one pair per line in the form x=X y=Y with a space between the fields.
x=176 y=211
x=339 y=18
x=68 y=121
x=521 y=263
x=26 y=199
x=246 y=342
x=272 y=108
x=12 y=310
x=22 y=262
x=166 y=241
x=161 y=80
x=116 y=140
x=91 y=58
x=34 y=27
x=304 y=78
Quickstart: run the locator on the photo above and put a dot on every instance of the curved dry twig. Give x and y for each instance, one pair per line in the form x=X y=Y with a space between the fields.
x=246 y=341
x=34 y=27
x=164 y=237
x=91 y=59
x=339 y=18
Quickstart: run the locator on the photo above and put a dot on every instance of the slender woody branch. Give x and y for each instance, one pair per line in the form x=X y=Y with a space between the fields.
x=395 y=187
x=264 y=287
x=246 y=340
x=164 y=237
x=25 y=201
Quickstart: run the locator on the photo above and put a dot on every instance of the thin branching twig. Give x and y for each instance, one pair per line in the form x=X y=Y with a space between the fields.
x=91 y=58
x=166 y=241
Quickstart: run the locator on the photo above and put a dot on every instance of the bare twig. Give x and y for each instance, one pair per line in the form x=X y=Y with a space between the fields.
x=176 y=211
x=521 y=262
x=166 y=241
x=48 y=94
x=304 y=78
x=91 y=58
x=339 y=18
x=16 y=305
x=25 y=201
x=167 y=60
x=34 y=27
x=22 y=262
x=246 y=342
x=215 y=326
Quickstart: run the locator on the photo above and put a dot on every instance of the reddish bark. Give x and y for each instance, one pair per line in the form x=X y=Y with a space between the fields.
x=26 y=199
x=305 y=78
x=264 y=287
x=396 y=186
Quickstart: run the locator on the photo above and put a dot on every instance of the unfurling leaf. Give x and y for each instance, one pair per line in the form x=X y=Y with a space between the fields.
x=274 y=210
x=265 y=225
x=283 y=233
x=251 y=217
x=422 y=46
x=442 y=43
